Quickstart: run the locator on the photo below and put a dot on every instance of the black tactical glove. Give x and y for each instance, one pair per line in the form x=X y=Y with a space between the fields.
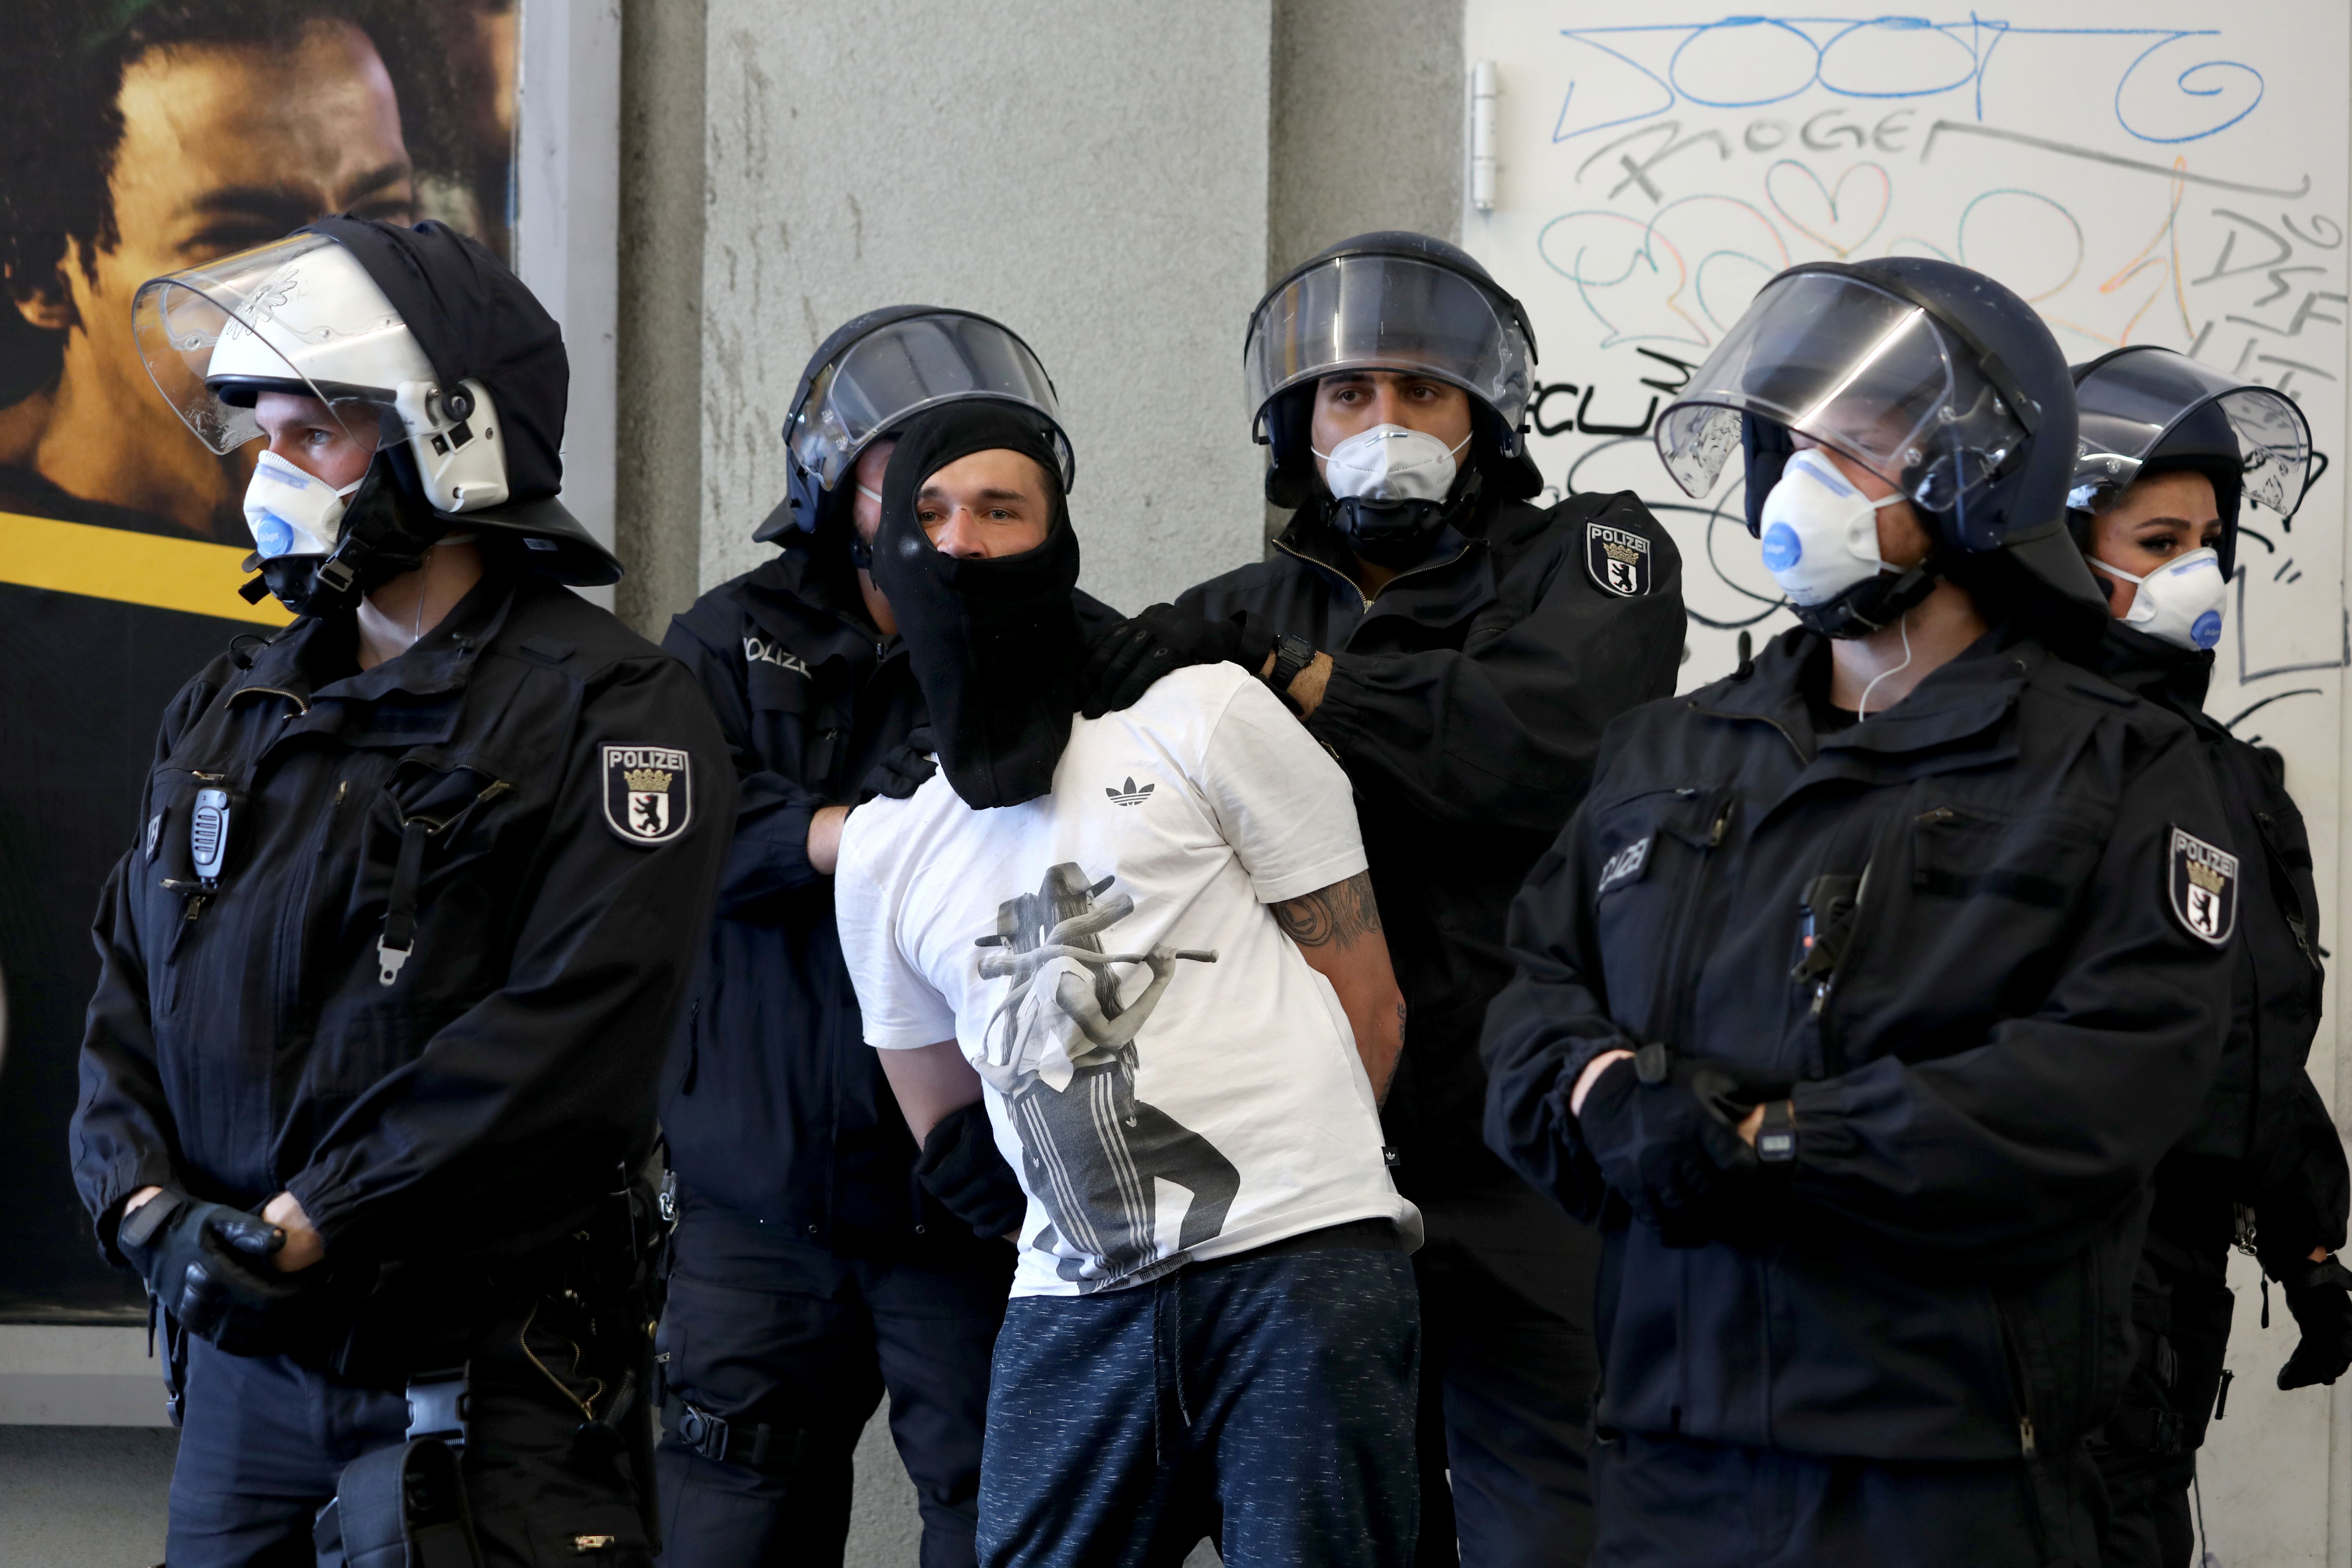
x=206 y=1264
x=1666 y=1131
x=961 y=1167
x=902 y=770
x=2318 y=1298
x=1123 y=662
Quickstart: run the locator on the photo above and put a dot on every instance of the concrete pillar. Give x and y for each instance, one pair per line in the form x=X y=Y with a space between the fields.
x=658 y=431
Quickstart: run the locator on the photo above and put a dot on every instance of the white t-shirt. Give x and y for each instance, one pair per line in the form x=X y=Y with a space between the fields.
x=1155 y=1116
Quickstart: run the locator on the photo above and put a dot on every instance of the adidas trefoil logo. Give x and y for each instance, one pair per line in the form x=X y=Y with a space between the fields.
x=1129 y=793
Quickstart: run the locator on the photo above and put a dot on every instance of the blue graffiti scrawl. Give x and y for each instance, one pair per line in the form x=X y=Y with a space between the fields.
x=2178 y=180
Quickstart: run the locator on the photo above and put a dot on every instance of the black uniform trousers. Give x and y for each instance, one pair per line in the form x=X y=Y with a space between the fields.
x=2181 y=1308
x=264 y=1440
x=1508 y=1371
x=763 y=1327
x=1668 y=1502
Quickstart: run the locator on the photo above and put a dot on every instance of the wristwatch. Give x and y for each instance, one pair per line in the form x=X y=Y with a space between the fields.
x=1292 y=653
x=1776 y=1136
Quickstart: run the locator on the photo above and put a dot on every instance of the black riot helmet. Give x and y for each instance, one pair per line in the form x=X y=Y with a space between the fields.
x=1936 y=379
x=2149 y=410
x=426 y=348
x=1390 y=301
x=878 y=371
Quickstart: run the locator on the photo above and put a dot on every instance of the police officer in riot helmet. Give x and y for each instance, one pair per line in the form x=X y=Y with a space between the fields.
x=820 y=1257
x=1870 y=984
x=2170 y=452
x=368 y=1083
x=1460 y=650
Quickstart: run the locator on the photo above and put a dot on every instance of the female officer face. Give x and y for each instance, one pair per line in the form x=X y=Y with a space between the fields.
x=305 y=432
x=2160 y=518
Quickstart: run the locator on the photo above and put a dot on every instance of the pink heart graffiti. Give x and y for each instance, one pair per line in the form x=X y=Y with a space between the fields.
x=1825 y=214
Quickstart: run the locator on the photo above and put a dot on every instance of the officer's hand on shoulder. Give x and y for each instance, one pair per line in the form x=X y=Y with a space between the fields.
x=1126 y=659
x=902 y=770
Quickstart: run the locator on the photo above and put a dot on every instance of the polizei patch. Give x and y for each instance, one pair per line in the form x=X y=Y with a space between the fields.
x=2203 y=883
x=1624 y=866
x=648 y=792
x=1617 y=560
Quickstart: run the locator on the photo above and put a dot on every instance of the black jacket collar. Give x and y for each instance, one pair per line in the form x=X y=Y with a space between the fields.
x=2176 y=677
x=315 y=660
x=1965 y=699
x=794 y=598
x=1455 y=578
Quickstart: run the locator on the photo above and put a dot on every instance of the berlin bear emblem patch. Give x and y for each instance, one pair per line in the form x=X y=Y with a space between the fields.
x=648 y=792
x=1618 y=559
x=2203 y=883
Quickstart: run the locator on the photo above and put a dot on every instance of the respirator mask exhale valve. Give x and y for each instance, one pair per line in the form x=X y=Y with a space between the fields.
x=1389 y=488
x=2180 y=602
x=1820 y=545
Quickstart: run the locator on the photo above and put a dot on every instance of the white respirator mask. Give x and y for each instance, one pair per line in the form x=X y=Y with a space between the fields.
x=2180 y=602
x=1390 y=463
x=292 y=512
x=1820 y=534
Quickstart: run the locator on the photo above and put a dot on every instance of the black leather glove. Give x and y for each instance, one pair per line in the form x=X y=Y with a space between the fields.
x=1666 y=1131
x=208 y=1264
x=962 y=1168
x=1123 y=662
x=903 y=769
x=2323 y=1310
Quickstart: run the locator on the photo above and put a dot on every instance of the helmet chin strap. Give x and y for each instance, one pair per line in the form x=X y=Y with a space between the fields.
x=1873 y=604
x=379 y=539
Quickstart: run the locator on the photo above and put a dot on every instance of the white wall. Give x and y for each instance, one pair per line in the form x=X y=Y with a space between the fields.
x=1093 y=176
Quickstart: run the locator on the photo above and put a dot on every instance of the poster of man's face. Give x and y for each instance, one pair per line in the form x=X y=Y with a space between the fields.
x=140 y=138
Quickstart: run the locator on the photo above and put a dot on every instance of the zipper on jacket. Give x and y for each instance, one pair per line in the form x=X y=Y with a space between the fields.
x=2018 y=1385
x=1364 y=602
x=2279 y=868
x=1687 y=906
x=399 y=937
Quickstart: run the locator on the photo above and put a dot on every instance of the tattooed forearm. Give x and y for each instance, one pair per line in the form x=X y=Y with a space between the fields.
x=1341 y=912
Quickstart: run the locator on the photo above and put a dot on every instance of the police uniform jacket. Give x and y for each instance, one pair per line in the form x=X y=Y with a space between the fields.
x=1467 y=702
x=420 y=971
x=2021 y=1020
x=773 y=1104
x=2265 y=1139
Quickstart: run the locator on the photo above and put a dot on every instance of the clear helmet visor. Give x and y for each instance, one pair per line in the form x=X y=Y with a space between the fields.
x=1388 y=312
x=900 y=369
x=2132 y=404
x=297 y=315
x=1857 y=369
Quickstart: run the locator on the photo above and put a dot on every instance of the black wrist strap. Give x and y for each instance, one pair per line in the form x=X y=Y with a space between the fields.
x=1292 y=654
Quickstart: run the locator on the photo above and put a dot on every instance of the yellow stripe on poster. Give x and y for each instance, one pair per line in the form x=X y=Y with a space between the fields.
x=135 y=568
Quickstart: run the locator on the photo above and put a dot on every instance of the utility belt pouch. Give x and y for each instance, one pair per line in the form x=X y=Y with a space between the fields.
x=405 y=1506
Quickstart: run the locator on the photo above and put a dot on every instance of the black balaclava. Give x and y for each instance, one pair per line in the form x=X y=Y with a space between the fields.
x=994 y=644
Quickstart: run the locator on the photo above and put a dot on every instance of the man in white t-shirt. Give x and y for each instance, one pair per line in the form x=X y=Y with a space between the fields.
x=1148 y=941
